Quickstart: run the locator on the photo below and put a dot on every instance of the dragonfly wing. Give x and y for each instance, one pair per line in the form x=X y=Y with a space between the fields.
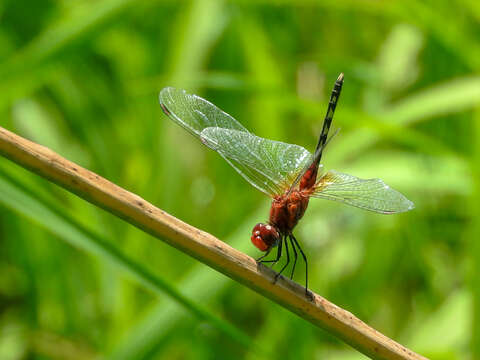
x=194 y=113
x=270 y=166
x=369 y=194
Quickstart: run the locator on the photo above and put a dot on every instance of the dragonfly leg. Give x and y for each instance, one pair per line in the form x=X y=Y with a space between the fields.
x=306 y=266
x=279 y=254
x=264 y=255
x=288 y=260
x=295 y=255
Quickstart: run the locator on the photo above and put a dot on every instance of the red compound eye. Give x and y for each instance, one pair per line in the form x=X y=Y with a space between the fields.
x=264 y=236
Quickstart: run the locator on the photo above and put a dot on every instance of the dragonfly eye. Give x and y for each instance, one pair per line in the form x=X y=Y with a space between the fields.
x=264 y=236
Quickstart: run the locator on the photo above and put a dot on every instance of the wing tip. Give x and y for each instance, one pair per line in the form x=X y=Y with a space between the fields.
x=165 y=98
x=162 y=100
x=409 y=205
x=166 y=91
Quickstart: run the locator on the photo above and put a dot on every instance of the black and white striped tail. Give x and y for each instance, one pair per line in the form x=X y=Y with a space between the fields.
x=332 y=104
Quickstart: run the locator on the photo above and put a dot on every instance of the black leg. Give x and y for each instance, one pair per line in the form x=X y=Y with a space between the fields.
x=295 y=255
x=306 y=264
x=279 y=255
x=264 y=255
x=286 y=264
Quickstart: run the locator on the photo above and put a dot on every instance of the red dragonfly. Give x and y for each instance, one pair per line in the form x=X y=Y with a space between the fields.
x=288 y=173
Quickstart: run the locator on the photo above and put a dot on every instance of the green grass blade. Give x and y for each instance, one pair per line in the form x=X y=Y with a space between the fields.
x=25 y=201
x=453 y=96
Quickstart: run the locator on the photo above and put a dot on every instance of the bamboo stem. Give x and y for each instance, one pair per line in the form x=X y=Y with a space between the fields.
x=201 y=245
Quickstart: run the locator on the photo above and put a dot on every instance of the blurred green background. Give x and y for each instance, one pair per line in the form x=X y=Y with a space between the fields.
x=83 y=79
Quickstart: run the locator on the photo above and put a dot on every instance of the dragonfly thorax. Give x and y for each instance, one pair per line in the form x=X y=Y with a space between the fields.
x=288 y=209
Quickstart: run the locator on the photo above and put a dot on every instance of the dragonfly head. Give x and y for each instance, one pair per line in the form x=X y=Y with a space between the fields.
x=264 y=236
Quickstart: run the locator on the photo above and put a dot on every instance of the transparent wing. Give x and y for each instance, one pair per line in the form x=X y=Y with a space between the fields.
x=270 y=166
x=369 y=194
x=194 y=113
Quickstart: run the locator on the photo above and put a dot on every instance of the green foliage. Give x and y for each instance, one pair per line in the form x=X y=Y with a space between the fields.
x=83 y=79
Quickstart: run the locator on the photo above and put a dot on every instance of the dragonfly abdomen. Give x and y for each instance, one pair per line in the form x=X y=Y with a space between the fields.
x=309 y=178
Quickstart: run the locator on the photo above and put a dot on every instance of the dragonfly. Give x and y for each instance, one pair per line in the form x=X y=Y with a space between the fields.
x=287 y=173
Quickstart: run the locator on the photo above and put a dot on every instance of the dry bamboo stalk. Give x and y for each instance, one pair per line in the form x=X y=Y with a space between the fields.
x=202 y=246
